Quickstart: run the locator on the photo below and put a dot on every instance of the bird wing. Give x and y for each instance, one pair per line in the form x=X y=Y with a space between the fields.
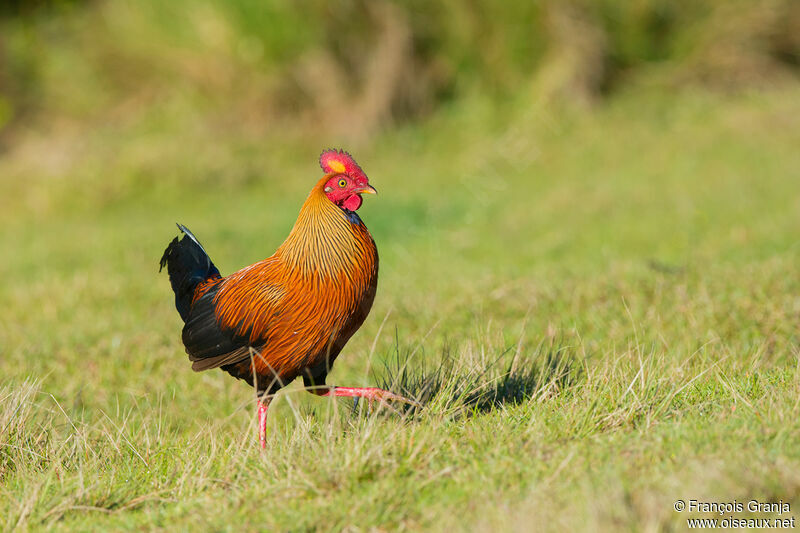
x=233 y=316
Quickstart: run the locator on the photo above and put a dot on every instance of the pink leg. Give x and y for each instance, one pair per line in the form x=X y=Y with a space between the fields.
x=371 y=393
x=263 y=404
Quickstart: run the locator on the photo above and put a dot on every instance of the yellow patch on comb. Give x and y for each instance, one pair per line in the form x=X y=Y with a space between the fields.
x=336 y=166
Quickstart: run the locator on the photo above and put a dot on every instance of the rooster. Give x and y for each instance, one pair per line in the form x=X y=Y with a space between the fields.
x=291 y=314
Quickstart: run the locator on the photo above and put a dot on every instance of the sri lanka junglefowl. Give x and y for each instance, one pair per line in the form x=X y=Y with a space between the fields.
x=291 y=314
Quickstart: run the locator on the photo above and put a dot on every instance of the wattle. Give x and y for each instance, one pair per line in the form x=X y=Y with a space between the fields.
x=352 y=202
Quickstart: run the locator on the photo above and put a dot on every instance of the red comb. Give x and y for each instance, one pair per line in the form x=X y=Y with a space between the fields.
x=340 y=162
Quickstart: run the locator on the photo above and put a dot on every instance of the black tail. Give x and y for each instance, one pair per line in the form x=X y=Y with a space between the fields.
x=188 y=265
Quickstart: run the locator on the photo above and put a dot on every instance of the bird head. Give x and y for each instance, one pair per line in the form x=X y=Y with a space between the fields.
x=346 y=181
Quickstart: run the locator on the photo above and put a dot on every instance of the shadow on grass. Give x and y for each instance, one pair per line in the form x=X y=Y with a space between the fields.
x=472 y=384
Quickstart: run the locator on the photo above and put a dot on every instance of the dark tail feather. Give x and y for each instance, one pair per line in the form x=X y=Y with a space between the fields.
x=188 y=265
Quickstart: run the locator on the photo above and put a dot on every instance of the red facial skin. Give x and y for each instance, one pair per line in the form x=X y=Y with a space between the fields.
x=345 y=192
x=347 y=181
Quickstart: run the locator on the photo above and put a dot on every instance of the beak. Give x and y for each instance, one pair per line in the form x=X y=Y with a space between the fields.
x=369 y=189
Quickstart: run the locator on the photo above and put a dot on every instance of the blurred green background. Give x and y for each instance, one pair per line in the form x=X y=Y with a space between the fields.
x=616 y=182
x=96 y=94
x=299 y=71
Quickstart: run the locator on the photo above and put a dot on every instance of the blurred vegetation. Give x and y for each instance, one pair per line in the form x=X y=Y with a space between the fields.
x=355 y=66
x=94 y=95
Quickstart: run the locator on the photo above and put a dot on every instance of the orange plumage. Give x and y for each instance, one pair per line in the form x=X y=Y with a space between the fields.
x=291 y=314
x=300 y=306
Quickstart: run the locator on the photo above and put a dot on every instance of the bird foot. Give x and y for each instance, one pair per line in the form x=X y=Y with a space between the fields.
x=371 y=394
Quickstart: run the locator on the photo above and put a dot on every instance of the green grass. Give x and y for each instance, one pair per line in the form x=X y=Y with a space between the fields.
x=600 y=312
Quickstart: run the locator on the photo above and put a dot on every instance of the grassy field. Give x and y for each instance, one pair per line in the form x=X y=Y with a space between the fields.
x=599 y=311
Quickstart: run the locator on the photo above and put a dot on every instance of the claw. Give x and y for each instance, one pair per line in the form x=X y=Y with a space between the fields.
x=387 y=396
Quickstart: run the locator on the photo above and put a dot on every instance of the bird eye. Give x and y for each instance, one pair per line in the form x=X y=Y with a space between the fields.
x=342 y=183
